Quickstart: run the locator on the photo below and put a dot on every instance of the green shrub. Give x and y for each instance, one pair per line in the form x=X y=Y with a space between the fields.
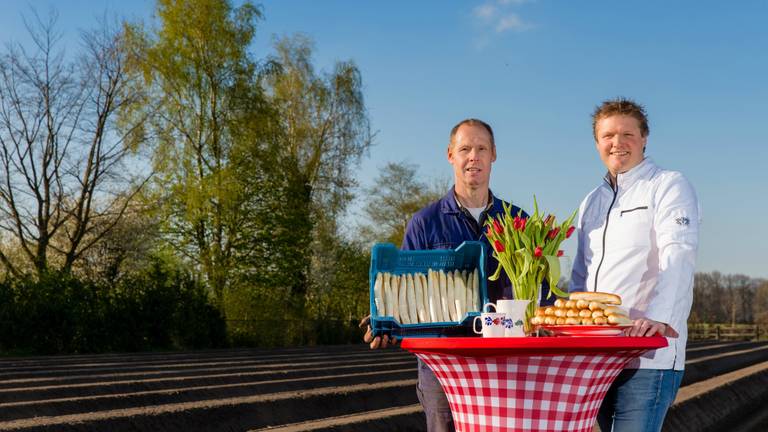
x=161 y=308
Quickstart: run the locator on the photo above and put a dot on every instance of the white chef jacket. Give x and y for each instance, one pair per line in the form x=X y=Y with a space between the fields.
x=639 y=241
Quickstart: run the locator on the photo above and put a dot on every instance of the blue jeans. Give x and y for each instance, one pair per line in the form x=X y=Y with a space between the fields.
x=638 y=400
x=434 y=401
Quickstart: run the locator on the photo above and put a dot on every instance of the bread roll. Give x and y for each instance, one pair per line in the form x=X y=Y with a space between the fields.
x=560 y=312
x=560 y=321
x=610 y=310
x=600 y=320
x=597 y=313
x=582 y=304
x=572 y=321
x=570 y=304
x=572 y=313
x=585 y=313
x=593 y=306
x=560 y=303
x=601 y=297
x=540 y=312
x=537 y=320
x=619 y=319
x=587 y=321
x=550 y=320
x=549 y=311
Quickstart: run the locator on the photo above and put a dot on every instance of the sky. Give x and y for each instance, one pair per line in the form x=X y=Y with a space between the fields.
x=535 y=70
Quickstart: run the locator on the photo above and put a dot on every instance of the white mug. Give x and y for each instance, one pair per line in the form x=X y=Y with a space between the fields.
x=514 y=311
x=492 y=322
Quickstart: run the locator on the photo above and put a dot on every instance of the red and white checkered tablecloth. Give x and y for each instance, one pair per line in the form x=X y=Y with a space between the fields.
x=527 y=392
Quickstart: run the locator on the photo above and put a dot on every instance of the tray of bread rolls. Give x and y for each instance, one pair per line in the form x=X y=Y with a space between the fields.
x=583 y=314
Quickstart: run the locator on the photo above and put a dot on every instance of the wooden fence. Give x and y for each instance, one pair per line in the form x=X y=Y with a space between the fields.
x=725 y=332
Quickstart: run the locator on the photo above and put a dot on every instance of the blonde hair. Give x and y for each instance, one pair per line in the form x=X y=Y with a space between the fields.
x=621 y=106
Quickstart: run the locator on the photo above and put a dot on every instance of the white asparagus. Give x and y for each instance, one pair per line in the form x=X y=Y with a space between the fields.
x=476 y=289
x=402 y=305
x=418 y=297
x=394 y=286
x=378 y=299
x=424 y=297
x=433 y=292
x=443 y=296
x=460 y=300
x=428 y=296
x=467 y=283
x=386 y=294
x=413 y=307
x=451 y=292
x=470 y=302
x=421 y=306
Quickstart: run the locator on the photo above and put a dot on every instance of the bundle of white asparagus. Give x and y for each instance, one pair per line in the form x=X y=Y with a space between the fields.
x=438 y=296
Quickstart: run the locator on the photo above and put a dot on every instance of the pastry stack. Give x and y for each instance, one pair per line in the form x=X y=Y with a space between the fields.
x=583 y=308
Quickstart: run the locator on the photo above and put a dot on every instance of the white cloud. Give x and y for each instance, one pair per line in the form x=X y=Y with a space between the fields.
x=486 y=11
x=511 y=22
x=494 y=17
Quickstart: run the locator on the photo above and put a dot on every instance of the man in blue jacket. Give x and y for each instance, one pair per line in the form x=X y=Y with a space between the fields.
x=457 y=217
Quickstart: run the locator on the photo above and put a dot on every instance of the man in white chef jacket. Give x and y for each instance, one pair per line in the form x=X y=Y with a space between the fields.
x=638 y=236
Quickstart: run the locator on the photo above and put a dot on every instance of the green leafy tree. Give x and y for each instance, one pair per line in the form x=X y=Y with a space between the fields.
x=324 y=132
x=255 y=158
x=202 y=86
x=395 y=196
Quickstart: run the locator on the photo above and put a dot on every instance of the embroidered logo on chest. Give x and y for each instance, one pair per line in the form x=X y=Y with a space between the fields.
x=682 y=220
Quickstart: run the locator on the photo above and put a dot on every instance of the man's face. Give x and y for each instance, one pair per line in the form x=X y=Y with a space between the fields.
x=619 y=143
x=471 y=156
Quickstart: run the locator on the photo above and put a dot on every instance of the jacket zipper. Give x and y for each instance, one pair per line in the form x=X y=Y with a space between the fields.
x=474 y=226
x=605 y=230
x=631 y=210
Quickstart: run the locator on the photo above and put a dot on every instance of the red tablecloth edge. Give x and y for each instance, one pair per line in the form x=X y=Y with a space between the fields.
x=508 y=346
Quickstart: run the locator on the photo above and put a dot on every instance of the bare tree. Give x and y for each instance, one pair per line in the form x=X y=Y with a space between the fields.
x=67 y=175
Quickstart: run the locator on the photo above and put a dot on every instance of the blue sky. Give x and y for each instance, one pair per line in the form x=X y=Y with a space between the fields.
x=535 y=70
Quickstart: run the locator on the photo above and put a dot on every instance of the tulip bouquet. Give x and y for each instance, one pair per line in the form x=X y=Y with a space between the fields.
x=528 y=250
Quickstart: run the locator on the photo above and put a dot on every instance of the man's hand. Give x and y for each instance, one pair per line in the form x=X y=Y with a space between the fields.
x=378 y=341
x=647 y=327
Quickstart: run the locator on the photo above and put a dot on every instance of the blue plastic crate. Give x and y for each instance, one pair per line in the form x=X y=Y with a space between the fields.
x=385 y=257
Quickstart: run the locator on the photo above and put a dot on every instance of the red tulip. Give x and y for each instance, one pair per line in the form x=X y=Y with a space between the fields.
x=553 y=233
x=522 y=223
x=570 y=231
x=559 y=253
x=537 y=251
x=516 y=223
x=497 y=227
x=498 y=246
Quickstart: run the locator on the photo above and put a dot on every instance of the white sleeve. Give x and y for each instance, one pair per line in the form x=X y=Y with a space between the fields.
x=579 y=270
x=676 y=223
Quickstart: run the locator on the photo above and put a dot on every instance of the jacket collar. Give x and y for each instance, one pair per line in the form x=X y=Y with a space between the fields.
x=449 y=203
x=625 y=180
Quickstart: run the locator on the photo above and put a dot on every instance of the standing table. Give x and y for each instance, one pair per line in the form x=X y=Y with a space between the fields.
x=528 y=383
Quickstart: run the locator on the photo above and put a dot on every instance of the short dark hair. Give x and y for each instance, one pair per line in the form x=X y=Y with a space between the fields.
x=471 y=122
x=621 y=106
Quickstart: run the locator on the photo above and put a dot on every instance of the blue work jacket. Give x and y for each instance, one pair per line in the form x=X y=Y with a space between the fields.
x=444 y=224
